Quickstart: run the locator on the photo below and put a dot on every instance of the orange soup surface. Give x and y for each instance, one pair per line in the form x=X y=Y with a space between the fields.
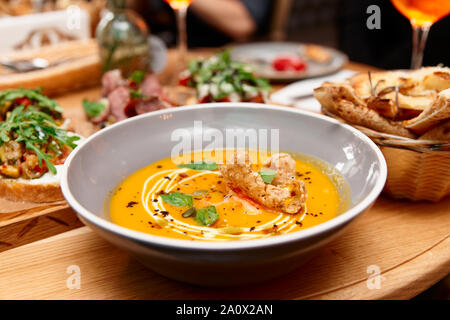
x=145 y=202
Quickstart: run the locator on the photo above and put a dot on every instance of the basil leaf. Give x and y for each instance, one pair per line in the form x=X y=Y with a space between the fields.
x=92 y=108
x=207 y=216
x=267 y=174
x=137 y=76
x=177 y=199
x=200 y=165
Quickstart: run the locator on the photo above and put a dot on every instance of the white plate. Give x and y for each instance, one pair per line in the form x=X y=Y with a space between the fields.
x=260 y=55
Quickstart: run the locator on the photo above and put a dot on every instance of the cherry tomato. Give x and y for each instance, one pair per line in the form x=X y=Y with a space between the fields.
x=184 y=81
x=205 y=99
x=284 y=63
x=23 y=101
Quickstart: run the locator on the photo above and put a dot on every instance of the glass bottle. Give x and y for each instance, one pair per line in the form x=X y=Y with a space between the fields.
x=122 y=36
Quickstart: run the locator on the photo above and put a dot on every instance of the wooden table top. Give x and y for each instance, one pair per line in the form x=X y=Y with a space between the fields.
x=407 y=242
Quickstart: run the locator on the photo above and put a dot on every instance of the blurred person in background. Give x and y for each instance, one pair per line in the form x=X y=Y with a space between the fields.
x=336 y=23
x=210 y=23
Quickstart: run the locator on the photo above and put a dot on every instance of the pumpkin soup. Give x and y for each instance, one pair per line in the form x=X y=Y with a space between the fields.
x=255 y=196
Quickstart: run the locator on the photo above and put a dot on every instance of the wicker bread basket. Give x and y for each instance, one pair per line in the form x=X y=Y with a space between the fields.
x=417 y=169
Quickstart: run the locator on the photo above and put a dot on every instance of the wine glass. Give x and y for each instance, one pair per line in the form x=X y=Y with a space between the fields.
x=422 y=14
x=180 y=7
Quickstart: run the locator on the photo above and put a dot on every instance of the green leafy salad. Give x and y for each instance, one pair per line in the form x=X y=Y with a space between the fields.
x=32 y=141
x=220 y=78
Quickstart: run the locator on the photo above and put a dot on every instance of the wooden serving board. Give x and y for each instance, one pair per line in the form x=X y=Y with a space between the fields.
x=409 y=242
x=28 y=224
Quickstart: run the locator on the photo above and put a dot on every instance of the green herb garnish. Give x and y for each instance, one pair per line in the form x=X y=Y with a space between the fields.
x=136 y=94
x=200 y=165
x=226 y=76
x=38 y=132
x=178 y=199
x=267 y=174
x=137 y=76
x=38 y=100
x=207 y=216
x=93 y=108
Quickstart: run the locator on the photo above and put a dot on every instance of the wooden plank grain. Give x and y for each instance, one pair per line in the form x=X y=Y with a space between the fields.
x=409 y=242
x=34 y=225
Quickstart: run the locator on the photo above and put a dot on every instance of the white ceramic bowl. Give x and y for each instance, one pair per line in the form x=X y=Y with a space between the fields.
x=109 y=156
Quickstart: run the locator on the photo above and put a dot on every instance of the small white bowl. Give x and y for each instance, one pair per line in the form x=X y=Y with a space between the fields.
x=107 y=157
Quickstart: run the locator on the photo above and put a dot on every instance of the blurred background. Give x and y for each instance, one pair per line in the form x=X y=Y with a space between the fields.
x=210 y=23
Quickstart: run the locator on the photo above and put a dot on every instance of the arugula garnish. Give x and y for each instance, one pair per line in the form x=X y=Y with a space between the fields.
x=93 y=108
x=267 y=174
x=178 y=199
x=38 y=132
x=200 y=165
x=40 y=101
x=207 y=216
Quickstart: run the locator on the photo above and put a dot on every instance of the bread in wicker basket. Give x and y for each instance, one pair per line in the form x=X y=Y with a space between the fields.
x=409 y=121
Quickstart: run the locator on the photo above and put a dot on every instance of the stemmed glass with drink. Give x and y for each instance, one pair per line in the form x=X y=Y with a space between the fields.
x=422 y=14
x=180 y=7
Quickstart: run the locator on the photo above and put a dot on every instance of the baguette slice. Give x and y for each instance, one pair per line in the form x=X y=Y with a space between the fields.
x=40 y=190
x=43 y=189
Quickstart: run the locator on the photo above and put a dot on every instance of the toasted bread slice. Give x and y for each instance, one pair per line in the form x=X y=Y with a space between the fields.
x=43 y=189
x=340 y=99
x=411 y=83
x=40 y=190
x=438 y=80
x=432 y=115
x=440 y=132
